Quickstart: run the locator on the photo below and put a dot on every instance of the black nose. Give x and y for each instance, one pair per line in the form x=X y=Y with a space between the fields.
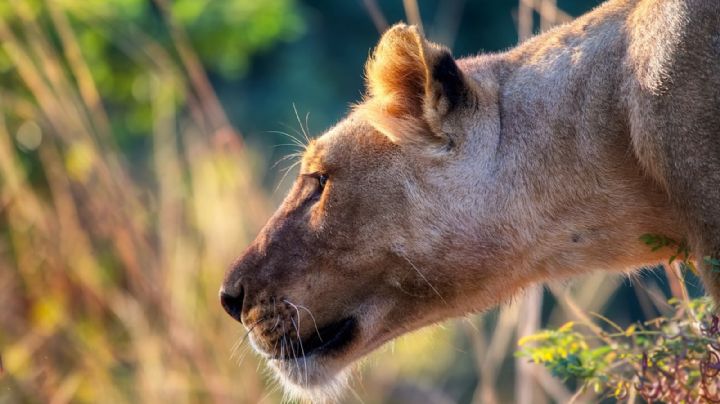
x=233 y=304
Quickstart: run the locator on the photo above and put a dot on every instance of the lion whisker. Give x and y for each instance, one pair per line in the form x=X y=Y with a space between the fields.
x=287 y=170
x=292 y=138
x=284 y=145
x=241 y=358
x=271 y=391
x=298 y=133
x=245 y=336
x=296 y=306
x=297 y=116
x=282 y=346
x=241 y=341
x=277 y=321
x=302 y=350
x=424 y=278
x=307 y=127
x=286 y=157
x=292 y=349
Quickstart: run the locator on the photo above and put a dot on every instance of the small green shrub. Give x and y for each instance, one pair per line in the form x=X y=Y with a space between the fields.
x=675 y=359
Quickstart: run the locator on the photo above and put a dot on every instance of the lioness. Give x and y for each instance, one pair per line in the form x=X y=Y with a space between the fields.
x=456 y=183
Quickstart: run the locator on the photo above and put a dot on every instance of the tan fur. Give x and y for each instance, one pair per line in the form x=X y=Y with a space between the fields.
x=455 y=184
x=401 y=88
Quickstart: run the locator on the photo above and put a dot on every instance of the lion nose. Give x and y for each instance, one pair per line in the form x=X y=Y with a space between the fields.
x=233 y=305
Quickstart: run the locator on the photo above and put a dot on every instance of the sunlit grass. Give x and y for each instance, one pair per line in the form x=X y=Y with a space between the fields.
x=110 y=278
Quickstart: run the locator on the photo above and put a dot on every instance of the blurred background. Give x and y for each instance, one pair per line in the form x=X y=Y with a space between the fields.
x=138 y=150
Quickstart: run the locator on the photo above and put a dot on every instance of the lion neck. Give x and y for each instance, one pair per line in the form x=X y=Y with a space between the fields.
x=563 y=193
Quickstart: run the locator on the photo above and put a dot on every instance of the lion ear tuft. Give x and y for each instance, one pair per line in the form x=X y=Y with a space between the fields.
x=412 y=85
x=396 y=72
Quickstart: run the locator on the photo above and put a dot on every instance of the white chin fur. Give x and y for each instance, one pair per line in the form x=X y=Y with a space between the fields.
x=309 y=381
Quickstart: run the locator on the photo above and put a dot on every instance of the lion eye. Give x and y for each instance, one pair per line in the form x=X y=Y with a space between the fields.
x=322 y=180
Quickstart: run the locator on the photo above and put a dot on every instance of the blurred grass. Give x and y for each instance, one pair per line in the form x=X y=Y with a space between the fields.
x=110 y=280
x=125 y=192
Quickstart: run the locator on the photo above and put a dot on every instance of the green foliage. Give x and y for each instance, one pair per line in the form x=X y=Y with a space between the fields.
x=226 y=33
x=110 y=283
x=682 y=251
x=566 y=353
x=659 y=241
x=713 y=263
x=124 y=43
x=673 y=359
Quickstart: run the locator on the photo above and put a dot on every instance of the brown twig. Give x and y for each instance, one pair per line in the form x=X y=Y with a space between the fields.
x=376 y=15
x=447 y=22
x=412 y=13
x=223 y=131
x=528 y=324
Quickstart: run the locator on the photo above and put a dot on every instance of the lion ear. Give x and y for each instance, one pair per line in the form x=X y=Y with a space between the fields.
x=412 y=84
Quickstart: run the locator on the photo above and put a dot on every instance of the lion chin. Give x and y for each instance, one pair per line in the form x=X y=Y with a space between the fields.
x=310 y=380
x=314 y=369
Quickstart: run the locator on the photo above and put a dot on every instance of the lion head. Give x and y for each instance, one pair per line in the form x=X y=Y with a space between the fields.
x=362 y=248
x=408 y=212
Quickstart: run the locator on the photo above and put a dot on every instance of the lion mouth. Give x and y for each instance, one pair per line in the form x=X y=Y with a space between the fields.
x=326 y=340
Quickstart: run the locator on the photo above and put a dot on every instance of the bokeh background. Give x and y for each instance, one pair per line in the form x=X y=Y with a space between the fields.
x=138 y=150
